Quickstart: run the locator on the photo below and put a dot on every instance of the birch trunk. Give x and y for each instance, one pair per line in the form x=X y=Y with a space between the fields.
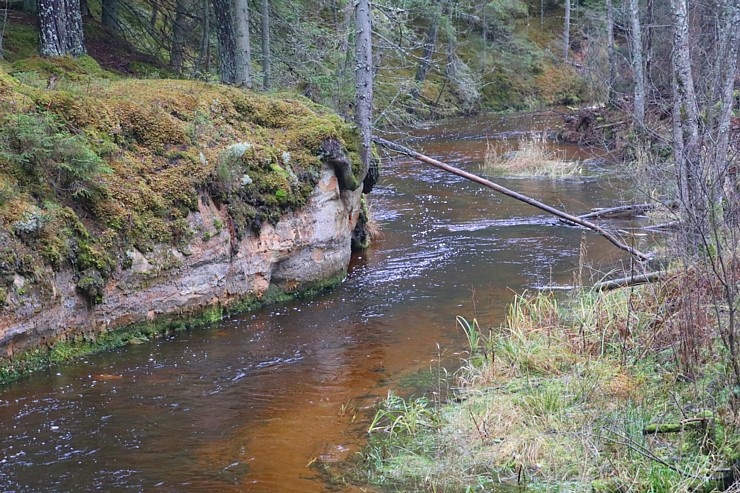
x=638 y=68
x=364 y=82
x=686 y=126
x=566 y=32
x=611 y=98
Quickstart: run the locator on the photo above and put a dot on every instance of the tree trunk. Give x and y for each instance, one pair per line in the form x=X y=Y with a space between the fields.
x=364 y=82
x=611 y=53
x=637 y=62
x=266 y=57
x=430 y=44
x=730 y=40
x=243 y=49
x=109 y=15
x=60 y=28
x=686 y=127
x=3 y=25
x=226 y=41
x=177 y=48
x=566 y=32
x=204 y=57
x=154 y=15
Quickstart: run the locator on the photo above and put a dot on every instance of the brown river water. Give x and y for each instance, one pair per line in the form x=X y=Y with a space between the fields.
x=255 y=403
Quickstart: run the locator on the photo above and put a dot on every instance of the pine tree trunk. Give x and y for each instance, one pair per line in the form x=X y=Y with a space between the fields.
x=226 y=41
x=364 y=82
x=243 y=49
x=266 y=57
x=60 y=28
x=637 y=62
x=177 y=49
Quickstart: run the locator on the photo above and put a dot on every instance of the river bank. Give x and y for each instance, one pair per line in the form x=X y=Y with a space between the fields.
x=597 y=391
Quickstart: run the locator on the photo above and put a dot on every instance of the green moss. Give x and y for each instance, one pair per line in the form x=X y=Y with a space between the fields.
x=158 y=146
x=69 y=69
x=20 y=41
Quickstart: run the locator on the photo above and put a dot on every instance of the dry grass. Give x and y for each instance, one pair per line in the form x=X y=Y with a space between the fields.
x=559 y=395
x=531 y=158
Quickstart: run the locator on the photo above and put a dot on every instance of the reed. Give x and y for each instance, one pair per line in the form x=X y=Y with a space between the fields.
x=532 y=157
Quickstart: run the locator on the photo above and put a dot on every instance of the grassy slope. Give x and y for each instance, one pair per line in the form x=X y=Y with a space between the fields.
x=559 y=396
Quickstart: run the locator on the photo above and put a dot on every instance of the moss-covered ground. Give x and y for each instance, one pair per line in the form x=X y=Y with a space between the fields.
x=565 y=396
x=93 y=164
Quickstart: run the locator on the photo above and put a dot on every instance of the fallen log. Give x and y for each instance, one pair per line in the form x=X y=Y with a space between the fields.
x=626 y=282
x=511 y=193
x=620 y=212
x=702 y=420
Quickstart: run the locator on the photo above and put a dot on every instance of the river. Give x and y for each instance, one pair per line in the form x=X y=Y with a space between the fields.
x=259 y=401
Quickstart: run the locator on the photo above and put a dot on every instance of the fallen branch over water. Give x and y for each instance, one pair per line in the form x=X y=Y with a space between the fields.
x=620 y=212
x=511 y=193
x=625 y=282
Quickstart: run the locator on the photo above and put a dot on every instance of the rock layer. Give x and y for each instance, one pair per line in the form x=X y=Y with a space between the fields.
x=304 y=249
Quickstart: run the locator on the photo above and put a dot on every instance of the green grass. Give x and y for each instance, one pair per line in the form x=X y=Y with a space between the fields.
x=560 y=403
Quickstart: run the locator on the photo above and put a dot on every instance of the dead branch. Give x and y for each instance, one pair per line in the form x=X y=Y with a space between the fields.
x=510 y=193
x=629 y=281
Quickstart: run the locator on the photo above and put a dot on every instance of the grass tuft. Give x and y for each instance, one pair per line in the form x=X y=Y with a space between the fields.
x=532 y=157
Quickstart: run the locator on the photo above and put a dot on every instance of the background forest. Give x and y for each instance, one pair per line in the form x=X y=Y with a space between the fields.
x=432 y=58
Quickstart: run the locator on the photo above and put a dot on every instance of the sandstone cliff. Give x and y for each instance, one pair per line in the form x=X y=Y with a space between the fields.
x=142 y=206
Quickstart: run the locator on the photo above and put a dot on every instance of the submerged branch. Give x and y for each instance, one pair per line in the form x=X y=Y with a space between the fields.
x=511 y=193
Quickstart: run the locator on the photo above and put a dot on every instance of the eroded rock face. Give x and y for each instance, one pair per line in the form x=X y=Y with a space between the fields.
x=305 y=249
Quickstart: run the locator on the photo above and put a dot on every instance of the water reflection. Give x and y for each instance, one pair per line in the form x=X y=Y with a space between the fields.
x=254 y=402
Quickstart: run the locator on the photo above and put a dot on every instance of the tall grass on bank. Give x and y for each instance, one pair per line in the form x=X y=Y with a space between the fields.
x=560 y=398
x=532 y=157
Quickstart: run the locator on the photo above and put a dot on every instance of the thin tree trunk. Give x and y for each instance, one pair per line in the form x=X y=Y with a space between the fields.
x=204 y=55
x=686 y=127
x=430 y=44
x=637 y=62
x=109 y=15
x=154 y=15
x=364 y=82
x=511 y=193
x=611 y=97
x=243 y=49
x=60 y=28
x=566 y=32
x=3 y=25
x=266 y=57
